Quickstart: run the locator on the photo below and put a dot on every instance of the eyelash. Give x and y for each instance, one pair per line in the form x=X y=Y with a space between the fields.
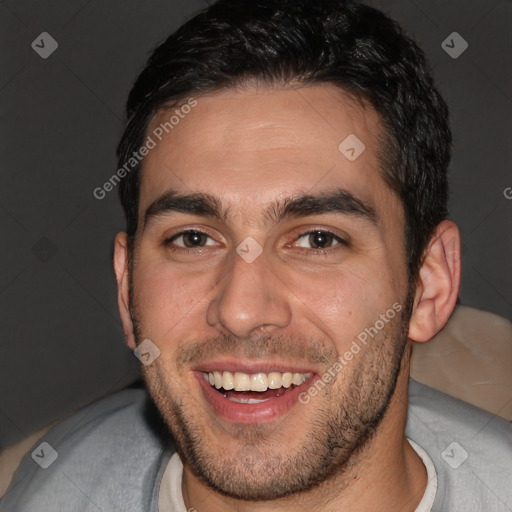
x=316 y=252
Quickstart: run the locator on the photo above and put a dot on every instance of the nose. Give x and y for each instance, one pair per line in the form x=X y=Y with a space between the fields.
x=250 y=298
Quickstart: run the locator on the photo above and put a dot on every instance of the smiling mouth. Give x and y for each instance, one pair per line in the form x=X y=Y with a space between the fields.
x=254 y=388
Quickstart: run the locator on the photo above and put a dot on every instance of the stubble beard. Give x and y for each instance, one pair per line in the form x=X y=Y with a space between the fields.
x=334 y=436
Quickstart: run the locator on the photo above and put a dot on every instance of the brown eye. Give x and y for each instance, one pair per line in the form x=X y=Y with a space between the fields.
x=320 y=240
x=189 y=239
x=194 y=239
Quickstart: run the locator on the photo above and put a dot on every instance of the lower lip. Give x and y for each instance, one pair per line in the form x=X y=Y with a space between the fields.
x=263 y=412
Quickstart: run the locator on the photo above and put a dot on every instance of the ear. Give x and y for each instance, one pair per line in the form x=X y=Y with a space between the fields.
x=121 y=272
x=438 y=283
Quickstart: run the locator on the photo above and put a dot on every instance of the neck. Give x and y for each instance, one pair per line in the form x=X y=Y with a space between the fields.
x=386 y=475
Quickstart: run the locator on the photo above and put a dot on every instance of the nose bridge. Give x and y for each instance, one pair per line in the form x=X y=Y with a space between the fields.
x=250 y=296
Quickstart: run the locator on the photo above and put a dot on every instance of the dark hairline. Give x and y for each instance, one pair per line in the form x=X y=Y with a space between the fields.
x=383 y=137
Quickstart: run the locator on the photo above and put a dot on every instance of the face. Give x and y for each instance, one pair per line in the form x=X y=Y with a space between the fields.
x=285 y=255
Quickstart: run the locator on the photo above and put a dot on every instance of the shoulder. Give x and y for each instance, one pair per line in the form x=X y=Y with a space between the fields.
x=471 y=449
x=108 y=453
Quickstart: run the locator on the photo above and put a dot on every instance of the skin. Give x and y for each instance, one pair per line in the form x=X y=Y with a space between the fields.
x=250 y=147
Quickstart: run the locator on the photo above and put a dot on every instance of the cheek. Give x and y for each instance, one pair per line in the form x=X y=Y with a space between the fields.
x=168 y=301
x=345 y=302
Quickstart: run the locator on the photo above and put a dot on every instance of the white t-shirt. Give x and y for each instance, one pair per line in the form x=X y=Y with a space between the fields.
x=170 y=497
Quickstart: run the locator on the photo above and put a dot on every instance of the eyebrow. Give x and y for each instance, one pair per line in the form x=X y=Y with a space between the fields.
x=339 y=201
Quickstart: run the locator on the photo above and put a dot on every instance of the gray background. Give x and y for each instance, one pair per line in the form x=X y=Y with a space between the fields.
x=61 y=340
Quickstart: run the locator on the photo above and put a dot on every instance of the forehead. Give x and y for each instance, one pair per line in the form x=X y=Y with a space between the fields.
x=252 y=146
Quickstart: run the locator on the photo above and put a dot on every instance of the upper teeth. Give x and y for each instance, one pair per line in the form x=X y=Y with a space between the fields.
x=256 y=382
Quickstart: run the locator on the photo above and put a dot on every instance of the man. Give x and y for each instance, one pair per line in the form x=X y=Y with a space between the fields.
x=287 y=242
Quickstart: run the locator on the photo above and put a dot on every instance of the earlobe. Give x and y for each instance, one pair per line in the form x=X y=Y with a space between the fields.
x=122 y=277
x=438 y=285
